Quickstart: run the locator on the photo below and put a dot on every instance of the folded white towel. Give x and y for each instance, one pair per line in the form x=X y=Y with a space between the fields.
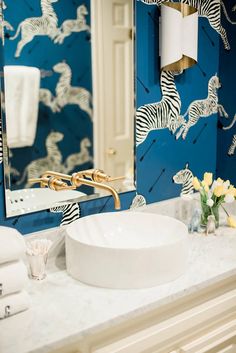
x=13 y=277
x=22 y=99
x=12 y=245
x=14 y=303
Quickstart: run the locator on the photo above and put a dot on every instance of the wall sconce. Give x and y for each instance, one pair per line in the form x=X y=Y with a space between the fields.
x=178 y=36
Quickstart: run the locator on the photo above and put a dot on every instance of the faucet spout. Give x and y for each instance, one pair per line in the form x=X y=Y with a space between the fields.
x=77 y=181
x=81 y=178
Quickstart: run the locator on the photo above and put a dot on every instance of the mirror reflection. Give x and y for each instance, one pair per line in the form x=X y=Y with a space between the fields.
x=69 y=99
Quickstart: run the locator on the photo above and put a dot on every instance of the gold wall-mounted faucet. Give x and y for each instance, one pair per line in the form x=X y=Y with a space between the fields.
x=90 y=177
x=52 y=183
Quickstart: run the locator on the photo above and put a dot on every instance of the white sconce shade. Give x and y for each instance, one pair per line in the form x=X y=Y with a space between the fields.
x=178 y=36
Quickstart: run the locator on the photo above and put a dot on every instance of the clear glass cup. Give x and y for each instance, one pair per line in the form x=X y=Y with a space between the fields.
x=37 y=266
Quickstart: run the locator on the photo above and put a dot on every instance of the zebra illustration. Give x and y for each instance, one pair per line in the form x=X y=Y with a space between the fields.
x=46 y=25
x=203 y=108
x=70 y=26
x=211 y=9
x=138 y=201
x=4 y=24
x=184 y=177
x=231 y=124
x=46 y=97
x=67 y=94
x=163 y=114
x=77 y=159
x=51 y=162
x=232 y=147
x=71 y=212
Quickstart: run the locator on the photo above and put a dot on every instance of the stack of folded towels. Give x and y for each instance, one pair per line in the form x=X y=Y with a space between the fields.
x=13 y=273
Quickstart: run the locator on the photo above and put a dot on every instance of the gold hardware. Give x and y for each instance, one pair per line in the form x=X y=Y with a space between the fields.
x=52 y=183
x=131 y=33
x=42 y=181
x=111 y=151
x=90 y=177
x=77 y=181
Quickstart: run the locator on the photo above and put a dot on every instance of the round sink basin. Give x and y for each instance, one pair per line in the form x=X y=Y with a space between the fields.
x=126 y=249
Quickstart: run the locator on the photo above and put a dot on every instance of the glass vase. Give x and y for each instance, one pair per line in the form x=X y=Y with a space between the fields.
x=209 y=211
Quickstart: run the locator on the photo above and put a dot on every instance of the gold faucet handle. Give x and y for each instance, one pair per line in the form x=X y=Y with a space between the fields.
x=42 y=181
x=115 y=178
x=57 y=184
x=100 y=176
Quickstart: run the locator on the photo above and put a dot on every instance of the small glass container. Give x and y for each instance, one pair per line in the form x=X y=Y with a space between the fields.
x=37 y=266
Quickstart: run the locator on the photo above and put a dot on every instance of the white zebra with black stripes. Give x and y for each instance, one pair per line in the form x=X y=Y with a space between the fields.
x=67 y=94
x=161 y=115
x=203 y=108
x=45 y=25
x=211 y=9
x=184 y=177
x=232 y=146
x=71 y=212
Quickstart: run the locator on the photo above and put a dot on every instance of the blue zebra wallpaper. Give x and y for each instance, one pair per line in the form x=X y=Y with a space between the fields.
x=169 y=151
x=226 y=148
x=51 y=35
x=168 y=136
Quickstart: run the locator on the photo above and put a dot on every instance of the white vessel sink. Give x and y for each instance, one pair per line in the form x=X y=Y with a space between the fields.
x=126 y=249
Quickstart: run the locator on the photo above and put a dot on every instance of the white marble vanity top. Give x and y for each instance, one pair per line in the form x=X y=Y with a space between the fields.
x=64 y=310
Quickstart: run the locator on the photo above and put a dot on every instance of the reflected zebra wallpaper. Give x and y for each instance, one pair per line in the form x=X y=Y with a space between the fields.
x=51 y=35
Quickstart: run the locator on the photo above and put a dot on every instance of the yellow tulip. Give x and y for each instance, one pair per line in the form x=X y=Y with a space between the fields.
x=218 y=191
x=231 y=191
x=219 y=181
x=207 y=178
x=196 y=184
x=205 y=186
x=231 y=222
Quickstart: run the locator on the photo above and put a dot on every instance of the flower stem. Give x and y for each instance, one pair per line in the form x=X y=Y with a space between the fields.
x=225 y=210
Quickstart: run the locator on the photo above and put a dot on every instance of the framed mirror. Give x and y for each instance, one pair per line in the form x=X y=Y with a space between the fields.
x=68 y=103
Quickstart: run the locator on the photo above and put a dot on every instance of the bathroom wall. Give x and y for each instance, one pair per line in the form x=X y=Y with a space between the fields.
x=43 y=52
x=226 y=154
x=160 y=156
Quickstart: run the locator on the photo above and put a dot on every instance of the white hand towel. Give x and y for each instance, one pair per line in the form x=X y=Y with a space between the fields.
x=13 y=277
x=12 y=245
x=14 y=303
x=22 y=85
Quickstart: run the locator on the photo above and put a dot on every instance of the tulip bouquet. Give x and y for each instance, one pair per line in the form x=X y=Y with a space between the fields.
x=214 y=194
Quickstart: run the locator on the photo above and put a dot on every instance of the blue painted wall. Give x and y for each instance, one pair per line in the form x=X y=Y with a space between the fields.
x=226 y=165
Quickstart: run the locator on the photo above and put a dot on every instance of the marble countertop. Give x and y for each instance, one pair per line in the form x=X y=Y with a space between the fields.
x=64 y=310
